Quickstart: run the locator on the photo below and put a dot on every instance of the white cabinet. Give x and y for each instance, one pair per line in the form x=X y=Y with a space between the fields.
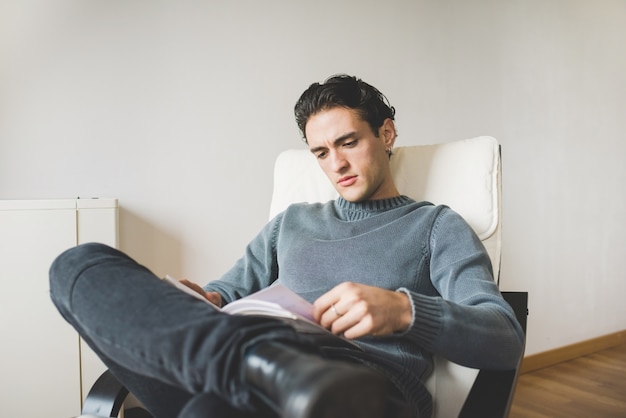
x=40 y=354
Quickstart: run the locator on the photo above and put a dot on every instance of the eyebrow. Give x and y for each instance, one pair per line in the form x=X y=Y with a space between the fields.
x=336 y=142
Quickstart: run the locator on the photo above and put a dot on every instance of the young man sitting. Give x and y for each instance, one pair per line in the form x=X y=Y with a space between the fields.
x=403 y=279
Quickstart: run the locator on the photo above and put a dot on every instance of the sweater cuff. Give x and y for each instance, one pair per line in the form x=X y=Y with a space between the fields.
x=426 y=322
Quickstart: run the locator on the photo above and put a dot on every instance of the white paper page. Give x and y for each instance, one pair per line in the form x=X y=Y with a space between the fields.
x=279 y=295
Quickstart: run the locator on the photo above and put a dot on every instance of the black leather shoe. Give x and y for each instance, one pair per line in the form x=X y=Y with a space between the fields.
x=301 y=385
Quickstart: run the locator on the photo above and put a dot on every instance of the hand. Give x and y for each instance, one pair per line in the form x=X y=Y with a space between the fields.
x=356 y=310
x=214 y=297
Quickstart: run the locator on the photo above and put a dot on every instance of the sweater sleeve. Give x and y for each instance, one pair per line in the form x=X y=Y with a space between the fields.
x=469 y=322
x=255 y=270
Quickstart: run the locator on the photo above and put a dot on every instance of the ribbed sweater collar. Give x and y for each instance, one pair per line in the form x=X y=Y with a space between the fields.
x=354 y=211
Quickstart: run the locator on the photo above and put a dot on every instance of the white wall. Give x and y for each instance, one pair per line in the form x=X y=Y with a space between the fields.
x=179 y=108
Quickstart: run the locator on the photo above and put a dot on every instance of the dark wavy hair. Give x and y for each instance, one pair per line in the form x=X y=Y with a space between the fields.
x=344 y=91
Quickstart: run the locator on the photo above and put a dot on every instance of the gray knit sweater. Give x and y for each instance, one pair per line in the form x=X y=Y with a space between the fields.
x=428 y=252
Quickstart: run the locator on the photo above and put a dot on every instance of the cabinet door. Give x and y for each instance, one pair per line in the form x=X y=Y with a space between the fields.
x=39 y=350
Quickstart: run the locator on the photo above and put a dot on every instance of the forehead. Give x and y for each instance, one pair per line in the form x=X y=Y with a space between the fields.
x=331 y=124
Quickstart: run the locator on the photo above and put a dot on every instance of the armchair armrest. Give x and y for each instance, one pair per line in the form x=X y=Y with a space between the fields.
x=492 y=392
x=106 y=397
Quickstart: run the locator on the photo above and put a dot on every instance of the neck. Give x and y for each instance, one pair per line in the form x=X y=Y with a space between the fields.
x=361 y=210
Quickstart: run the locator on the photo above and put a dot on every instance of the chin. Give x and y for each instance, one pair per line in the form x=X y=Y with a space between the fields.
x=353 y=198
x=355 y=194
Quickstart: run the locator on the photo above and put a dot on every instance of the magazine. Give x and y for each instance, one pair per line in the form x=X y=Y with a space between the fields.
x=276 y=301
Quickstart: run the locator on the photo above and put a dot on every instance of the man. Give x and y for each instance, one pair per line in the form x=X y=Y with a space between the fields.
x=402 y=279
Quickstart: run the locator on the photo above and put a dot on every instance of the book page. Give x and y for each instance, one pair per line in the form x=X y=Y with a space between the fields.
x=276 y=298
x=279 y=302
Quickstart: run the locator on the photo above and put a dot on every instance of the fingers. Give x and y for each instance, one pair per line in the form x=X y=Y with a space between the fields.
x=364 y=326
x=356 y=310
x=213 y=297
x=193 y=286
x=336 y=318
x=344 y=310
x=329 y=306
x=354 y=323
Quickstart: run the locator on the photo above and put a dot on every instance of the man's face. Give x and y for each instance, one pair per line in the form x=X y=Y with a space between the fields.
x=354 y=159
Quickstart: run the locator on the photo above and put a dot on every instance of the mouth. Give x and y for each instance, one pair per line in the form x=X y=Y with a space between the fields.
x=346 y=181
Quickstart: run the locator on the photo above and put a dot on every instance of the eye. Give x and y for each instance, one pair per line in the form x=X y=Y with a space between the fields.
x=350 y=144
x=321 y=155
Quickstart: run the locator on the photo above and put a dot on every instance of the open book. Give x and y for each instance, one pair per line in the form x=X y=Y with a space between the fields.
x=277 y=301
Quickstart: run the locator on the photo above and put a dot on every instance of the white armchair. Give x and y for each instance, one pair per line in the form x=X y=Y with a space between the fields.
x=464 y=175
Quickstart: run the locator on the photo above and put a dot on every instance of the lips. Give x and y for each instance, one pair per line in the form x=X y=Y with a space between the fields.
x=346 y=181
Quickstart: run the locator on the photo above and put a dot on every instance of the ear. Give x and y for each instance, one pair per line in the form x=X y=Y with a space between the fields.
x=387 y=133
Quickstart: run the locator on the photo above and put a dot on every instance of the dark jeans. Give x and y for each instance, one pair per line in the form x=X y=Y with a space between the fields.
x=176 y=354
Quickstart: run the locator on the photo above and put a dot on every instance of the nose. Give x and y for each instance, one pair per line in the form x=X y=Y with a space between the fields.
x=338 y=161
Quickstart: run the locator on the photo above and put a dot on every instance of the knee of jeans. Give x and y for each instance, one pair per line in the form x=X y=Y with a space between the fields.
x=68 y=266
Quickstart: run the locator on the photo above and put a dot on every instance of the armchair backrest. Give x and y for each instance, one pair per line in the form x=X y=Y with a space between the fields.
x=464 y=175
